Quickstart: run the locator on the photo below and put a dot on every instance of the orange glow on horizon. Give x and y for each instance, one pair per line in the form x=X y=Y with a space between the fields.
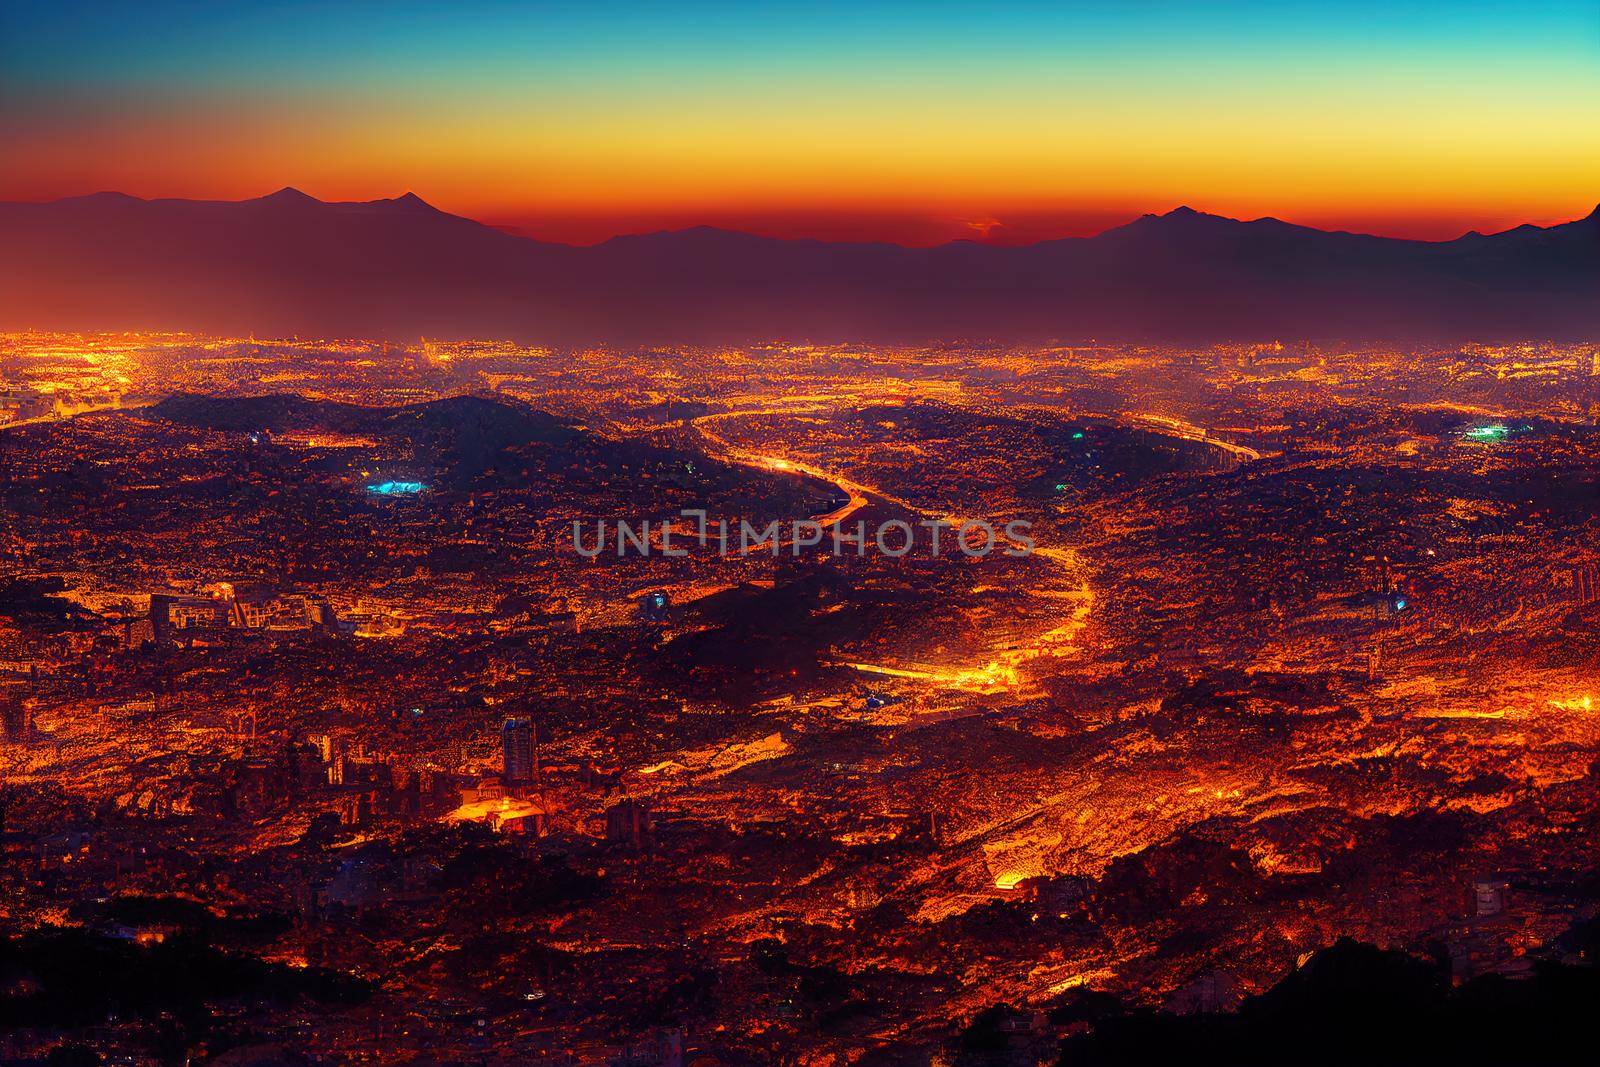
x=915 y=125
x=841 y=177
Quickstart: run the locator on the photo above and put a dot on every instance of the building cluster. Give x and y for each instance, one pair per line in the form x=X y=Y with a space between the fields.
x=298 y=662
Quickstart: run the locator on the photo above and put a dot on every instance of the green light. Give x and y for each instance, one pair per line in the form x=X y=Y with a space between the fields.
x=1078 y=436
x=1486 y=433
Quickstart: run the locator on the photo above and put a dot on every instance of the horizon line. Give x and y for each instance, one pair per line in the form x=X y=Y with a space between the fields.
x=409 y=196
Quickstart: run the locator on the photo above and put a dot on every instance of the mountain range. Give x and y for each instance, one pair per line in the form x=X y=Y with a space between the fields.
x=289 y=264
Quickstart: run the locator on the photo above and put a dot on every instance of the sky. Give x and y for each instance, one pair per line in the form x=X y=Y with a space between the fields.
x=909 y=122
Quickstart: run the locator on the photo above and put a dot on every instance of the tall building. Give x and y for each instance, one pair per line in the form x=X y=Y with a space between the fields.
x=169 y=613
x=16 y=718
x=655 y=607
x=1585 y=583
x=628 y=821
x=1490 y=896
x=520 y=751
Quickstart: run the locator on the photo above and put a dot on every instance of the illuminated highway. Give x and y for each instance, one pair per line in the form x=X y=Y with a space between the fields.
x=1000 y=672
x=1003 y=670
x=1188 y=431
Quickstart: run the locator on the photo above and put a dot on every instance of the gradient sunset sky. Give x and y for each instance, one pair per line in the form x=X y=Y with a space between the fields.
x=908 y=122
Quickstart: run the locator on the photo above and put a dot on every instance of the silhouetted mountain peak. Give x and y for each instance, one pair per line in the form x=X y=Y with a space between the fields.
x=289 y=263
x=1184 y=215
x=289 y=196
x=108 y=196
x=409 y=201
x=1183 y=220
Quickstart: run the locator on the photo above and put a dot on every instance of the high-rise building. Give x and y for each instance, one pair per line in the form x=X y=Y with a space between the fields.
x=1585 y=583
x=16 y=718
x=520 y=753
x=628 y=821
x=1490 y=894
x=655 y=607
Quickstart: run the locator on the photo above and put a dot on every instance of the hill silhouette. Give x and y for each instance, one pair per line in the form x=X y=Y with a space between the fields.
x=289 y=264
x=1355 y=1003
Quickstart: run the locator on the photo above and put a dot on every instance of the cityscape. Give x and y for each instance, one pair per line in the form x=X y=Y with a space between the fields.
x=1304 y=651
x=1046 y=533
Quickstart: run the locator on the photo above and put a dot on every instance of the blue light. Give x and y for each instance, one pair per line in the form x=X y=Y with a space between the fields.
x=396 y=488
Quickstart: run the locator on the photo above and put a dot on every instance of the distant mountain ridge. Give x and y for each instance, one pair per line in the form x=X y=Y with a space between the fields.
x=288 y=263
